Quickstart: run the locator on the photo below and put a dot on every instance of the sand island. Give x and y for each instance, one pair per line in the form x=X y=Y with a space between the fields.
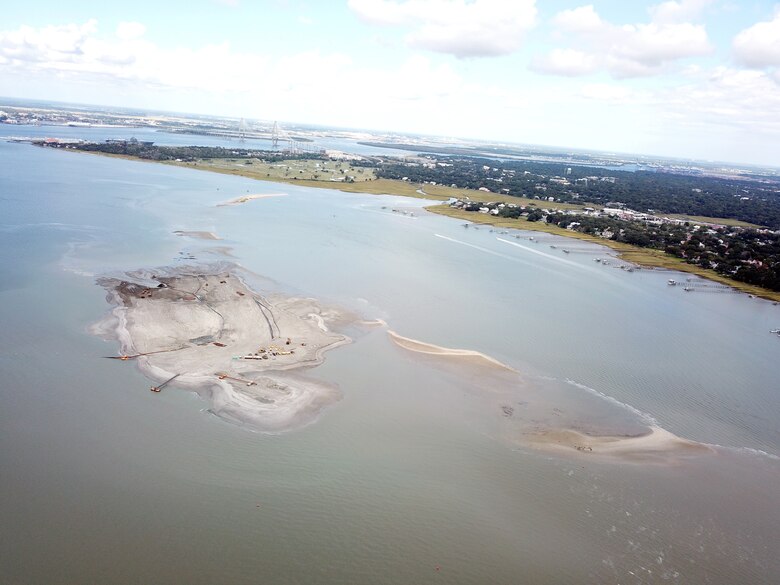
x=203 y=328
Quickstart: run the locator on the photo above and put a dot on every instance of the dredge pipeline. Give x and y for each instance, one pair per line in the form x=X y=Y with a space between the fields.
x=164 y=384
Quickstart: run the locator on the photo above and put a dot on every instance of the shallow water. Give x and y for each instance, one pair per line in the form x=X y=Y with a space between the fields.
x=414 y=475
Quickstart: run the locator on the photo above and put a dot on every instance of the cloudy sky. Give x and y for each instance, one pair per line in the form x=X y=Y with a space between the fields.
x=688 y=78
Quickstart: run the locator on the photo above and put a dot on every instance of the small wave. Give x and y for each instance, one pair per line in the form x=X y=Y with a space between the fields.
x=475 y=247
x=647 y=418
x=548 y=256
x=748 y=451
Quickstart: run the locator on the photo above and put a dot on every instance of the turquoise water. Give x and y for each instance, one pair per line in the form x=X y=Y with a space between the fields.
x=414 y=476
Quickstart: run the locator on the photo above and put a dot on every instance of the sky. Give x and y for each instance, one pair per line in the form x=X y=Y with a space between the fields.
x=684 y=78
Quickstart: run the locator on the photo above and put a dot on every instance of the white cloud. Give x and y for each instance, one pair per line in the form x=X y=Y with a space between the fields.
x=631 y=50
x=482 y=28
x=565 y=62
x=759 y=45
x=740 y=99
x=584 y=19
x=678 y=11
x=311 y=85
x=79 y=52
x=603 y=92
x=58 y=43
x=130 y=30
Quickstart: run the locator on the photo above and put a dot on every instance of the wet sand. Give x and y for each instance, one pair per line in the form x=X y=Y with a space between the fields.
x=198 y=235
x=462 y=355
x=656 y=446
x=537 y=431
x=243 y=352
x=247 y=198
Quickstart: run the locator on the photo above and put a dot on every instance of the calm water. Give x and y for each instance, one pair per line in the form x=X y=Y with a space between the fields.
x=413 y=477
x=99 y=134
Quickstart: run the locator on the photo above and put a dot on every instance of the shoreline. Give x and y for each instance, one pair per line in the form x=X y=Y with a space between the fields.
x=641 y=256
x=645 y=257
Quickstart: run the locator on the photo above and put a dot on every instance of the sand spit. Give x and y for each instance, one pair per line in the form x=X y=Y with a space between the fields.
x=656 y=446
x=198 y=235
x=527 y=427
x=242 y=352
x=436 y=350
x=247 y=198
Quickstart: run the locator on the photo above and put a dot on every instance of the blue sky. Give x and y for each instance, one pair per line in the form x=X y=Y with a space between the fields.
x=688 y=78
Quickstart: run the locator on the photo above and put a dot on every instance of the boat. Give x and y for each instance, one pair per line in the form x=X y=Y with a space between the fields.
x=672 y=282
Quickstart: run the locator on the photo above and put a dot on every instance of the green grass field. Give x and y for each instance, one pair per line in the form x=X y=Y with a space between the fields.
x=717 y=220
x=329 y=172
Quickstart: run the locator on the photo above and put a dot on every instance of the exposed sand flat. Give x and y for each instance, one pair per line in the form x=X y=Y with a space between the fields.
x=234 y=347
x=225 y=251
x=656 y=446
x=199 y=235
x=247 y=198
x=436 y=350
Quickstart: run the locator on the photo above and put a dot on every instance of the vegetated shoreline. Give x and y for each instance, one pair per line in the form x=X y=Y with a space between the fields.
x=640 y=256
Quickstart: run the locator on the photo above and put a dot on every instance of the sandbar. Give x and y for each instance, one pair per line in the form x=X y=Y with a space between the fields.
x=438 y=351
x=657 y=445
x=247 y=198
x=242 y=352
x=199 y=235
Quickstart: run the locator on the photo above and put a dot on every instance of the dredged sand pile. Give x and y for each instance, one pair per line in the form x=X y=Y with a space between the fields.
x=241 y=351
